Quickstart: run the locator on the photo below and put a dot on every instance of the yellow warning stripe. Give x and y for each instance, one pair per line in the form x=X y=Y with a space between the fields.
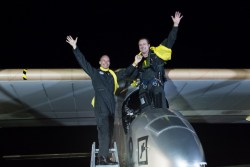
x=24 y=74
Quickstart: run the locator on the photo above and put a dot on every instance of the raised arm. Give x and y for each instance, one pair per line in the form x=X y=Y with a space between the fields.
x=170 y=40
x=87 y=67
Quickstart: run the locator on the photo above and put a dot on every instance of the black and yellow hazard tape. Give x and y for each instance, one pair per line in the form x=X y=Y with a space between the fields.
x=24 y=74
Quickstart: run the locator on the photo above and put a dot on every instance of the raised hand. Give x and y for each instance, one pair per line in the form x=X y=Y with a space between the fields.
x=72 y=41
x=177 y=18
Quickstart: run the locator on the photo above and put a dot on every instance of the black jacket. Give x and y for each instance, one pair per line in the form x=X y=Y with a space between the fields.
x=156 y=68
x=103 y=82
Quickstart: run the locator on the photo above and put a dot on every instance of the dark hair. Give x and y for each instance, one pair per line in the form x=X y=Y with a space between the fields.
x=144 y=39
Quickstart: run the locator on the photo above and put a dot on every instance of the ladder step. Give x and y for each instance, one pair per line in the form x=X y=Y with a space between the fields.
x=112 y=151
x=107 y=165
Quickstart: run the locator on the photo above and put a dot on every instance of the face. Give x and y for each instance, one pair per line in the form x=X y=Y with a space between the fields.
x=104 y=61
x=144 y=46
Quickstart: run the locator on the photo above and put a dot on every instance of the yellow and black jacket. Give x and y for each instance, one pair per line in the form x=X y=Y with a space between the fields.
x=154 y=65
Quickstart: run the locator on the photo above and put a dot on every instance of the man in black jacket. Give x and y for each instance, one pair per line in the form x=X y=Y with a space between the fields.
x=105 y=83
x=151 y=70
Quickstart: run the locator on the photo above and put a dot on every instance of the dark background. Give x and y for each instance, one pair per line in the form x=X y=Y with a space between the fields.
x=212 y=34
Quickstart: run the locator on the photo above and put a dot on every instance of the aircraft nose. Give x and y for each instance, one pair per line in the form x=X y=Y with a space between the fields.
x=180 y=145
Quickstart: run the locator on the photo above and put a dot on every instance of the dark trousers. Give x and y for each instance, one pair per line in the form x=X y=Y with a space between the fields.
x=153 y=96
x=105 y=126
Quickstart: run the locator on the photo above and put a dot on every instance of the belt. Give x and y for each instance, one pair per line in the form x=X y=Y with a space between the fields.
x=154 y=82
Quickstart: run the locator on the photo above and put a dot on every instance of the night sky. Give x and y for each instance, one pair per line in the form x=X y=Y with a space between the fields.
x=212 y=34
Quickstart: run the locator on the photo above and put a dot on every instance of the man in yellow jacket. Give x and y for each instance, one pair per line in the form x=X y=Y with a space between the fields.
x=151 y=70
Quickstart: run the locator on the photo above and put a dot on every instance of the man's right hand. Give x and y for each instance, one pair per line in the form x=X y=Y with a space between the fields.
x=71 y=41
x=138 y=58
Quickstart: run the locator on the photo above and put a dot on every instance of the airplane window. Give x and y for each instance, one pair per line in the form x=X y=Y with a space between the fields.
x=133 y=101
x=130 y=108
x=165 y=122
x=184 y=120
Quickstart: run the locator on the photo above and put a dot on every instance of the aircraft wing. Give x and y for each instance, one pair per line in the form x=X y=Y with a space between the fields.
x=62 y=97
x=210 y=95
x=45 y=97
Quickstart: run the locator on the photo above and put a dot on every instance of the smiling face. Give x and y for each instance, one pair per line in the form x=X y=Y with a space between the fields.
x=144 y=46
x=104 y=61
